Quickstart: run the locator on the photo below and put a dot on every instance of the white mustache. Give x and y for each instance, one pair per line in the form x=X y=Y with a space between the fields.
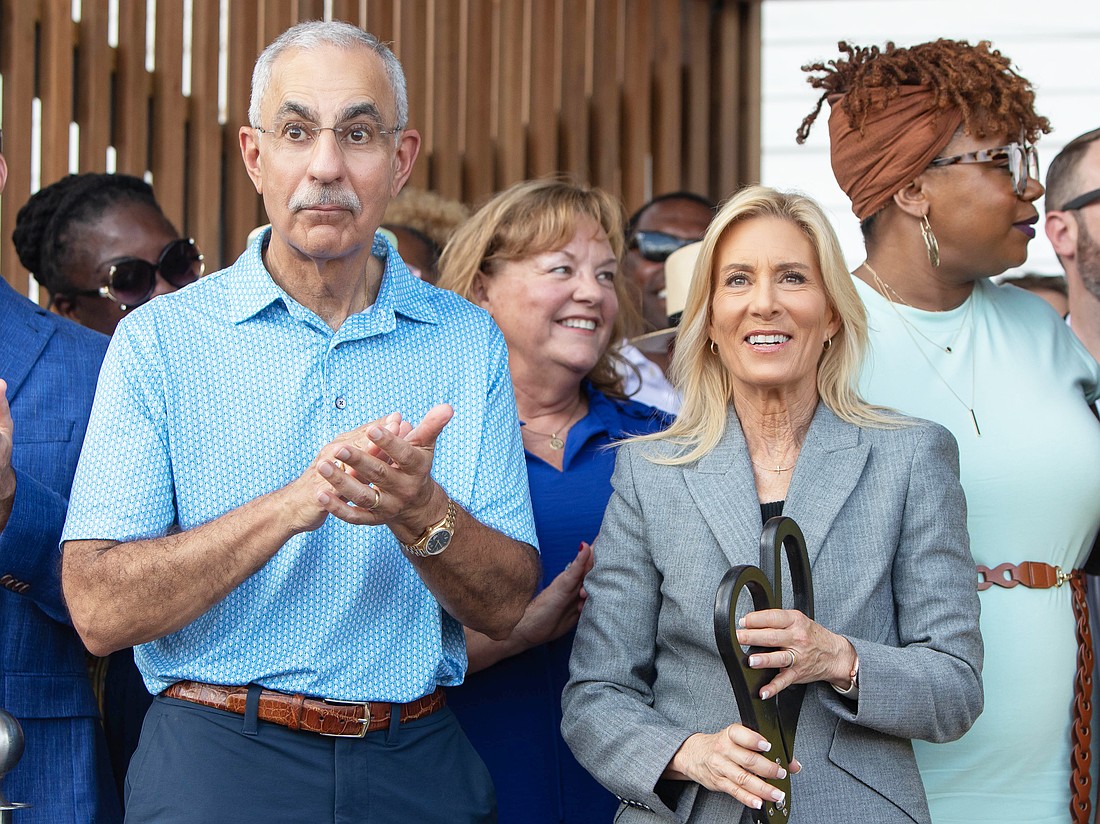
x=312 y=195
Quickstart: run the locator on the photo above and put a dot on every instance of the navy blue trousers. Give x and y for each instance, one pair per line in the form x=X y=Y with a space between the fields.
x=194 y=763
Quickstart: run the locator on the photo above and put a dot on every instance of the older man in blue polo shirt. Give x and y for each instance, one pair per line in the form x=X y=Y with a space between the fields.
x=302 y=477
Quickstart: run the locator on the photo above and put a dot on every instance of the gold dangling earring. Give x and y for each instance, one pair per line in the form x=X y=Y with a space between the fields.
x=713 y=348
x=931 y=245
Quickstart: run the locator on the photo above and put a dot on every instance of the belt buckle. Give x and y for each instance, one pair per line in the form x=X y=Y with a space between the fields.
x=1061 y=576
x=363 y=722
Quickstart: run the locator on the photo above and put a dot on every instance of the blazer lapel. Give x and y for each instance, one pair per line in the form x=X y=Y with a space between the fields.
x=829 y=466
x=23 y=336
x=722 y=486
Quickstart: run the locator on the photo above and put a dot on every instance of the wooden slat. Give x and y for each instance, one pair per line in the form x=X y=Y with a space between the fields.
x=697 y=107
x=637 y=96
x=168 y=152
x=204 y=179
x=410 y=46
x=381 y=18
x=574 y=90
x=543 y=92
x=748 y=153
x=309 y=10
x=605 y=116
x=17 y=62
x=243 y=211
x=55 y=72
x=478 y=181
x=727 y=66
x=443 y=45
x=276 y=16
x=131 y=115
x=510 y=161
x=667 y=98
x=637 y=185
x=350 y=11
x=95 y=64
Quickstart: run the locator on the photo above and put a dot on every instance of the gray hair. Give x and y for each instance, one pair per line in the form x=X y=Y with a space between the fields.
x=315 y=33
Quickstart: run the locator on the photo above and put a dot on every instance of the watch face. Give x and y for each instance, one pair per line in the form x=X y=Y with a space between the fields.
x=438 y=542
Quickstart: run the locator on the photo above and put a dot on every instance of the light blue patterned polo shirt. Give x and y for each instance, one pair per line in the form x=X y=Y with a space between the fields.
x=226 y=390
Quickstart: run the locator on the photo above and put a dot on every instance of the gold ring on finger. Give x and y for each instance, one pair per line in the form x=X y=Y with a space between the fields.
x=794 y=658
x=377 y=498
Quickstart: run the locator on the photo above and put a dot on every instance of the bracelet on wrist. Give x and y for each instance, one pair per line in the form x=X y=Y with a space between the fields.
x=853 y=683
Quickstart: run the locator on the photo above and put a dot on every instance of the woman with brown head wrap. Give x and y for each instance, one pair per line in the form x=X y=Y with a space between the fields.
x=933 y=144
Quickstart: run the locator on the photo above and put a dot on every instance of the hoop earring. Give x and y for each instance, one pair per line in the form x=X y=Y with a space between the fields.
x=713 y=348
x=828 y=344
x=931 y=245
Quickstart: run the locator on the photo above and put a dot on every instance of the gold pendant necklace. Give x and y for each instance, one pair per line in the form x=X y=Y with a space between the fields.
x=911 y=329
x=557 y=443
x=777 y=470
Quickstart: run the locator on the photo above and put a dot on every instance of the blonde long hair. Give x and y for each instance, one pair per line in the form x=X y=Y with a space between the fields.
x=700 y=375
x=530 y=218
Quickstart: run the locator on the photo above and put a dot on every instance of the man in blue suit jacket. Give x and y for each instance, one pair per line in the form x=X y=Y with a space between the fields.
x=48 y=370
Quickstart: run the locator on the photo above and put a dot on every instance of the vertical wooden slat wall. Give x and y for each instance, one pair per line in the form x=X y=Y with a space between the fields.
x=637 y=96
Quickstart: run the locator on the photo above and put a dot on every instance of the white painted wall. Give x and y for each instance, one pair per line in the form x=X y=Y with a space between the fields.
x=1053 y=43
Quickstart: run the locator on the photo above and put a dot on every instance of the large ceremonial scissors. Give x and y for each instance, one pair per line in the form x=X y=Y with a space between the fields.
x=775 y=718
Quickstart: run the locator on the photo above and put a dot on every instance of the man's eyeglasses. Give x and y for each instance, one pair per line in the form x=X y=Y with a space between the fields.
x=1022 y=159
x=355 y=137
x=1081 y=201
x=132 y=281
x=657 y=246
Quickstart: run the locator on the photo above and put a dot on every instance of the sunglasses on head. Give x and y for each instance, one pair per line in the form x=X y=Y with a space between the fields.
x=132 y=281
x=657 y=246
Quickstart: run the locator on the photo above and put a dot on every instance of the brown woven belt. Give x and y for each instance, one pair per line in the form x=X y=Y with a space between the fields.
x=344 y=719
x=1038 y=575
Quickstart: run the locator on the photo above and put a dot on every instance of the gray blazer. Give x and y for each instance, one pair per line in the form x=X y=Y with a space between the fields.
x=885 y=524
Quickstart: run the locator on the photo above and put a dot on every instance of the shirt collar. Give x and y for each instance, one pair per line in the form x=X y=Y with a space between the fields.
x=400 y=293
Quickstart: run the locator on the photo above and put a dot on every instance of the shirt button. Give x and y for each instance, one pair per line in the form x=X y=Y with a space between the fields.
x=341 y=403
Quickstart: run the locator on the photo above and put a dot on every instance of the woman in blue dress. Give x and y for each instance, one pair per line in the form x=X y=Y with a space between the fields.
x=543 y=259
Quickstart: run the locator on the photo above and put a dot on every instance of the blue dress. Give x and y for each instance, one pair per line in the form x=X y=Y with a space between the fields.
x=512 y=710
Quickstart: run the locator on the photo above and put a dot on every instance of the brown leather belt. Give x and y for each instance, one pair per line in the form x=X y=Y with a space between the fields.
x=1032 y=574
x=343 y=719
x=1039 y=575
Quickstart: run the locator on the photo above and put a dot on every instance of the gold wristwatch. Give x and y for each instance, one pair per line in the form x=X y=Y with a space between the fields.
x=436 y=537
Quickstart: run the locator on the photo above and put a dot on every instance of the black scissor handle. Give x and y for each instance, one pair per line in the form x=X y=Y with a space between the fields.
x=775 y=718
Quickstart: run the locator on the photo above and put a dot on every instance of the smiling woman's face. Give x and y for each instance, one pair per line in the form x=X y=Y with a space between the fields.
x=556 y=308
x=770 y=315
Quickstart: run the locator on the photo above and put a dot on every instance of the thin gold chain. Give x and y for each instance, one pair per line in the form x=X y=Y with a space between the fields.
x=910 y=329
x=556 y=442
x=887 y=290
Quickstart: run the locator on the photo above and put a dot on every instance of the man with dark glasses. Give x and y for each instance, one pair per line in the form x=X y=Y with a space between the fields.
x=660 y=227
x=101 y=245
x=1073 y=226
x=303 y=476
x=48 y=369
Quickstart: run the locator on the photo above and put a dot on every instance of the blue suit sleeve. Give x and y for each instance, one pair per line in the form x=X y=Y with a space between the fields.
x=29 y=544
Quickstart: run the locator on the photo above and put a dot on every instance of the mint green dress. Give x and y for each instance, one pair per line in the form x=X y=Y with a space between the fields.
x=1032 y=483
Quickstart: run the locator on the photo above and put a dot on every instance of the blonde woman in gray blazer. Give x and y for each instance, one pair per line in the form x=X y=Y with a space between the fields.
x=767 y=357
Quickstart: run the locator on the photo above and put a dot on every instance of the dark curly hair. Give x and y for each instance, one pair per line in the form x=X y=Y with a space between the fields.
x=977 y=80
x=46 y=225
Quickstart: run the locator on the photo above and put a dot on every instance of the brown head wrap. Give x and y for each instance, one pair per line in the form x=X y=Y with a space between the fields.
x=895 y=142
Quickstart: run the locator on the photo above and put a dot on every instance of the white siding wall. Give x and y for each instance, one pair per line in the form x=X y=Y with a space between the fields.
x=1054 y=43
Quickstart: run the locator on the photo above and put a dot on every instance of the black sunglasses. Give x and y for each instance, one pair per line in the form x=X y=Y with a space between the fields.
x=657 y=246
x=1081 y=201
x=132 y=281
